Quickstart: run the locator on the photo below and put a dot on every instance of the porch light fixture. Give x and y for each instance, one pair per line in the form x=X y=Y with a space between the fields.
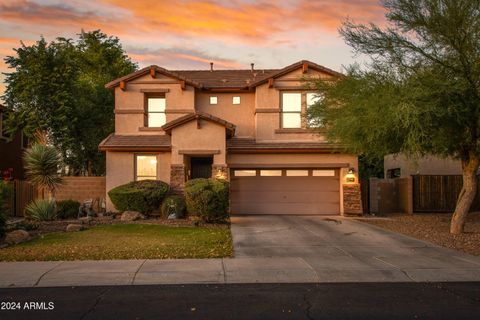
x=221 y=175
x=350 y=176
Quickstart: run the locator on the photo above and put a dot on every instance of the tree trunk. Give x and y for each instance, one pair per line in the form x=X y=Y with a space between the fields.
x=467 y=194
x=89 y=168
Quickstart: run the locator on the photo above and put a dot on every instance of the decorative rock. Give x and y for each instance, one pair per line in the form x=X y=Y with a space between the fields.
x=132 y=216
x=17 y=236
x=74 y=227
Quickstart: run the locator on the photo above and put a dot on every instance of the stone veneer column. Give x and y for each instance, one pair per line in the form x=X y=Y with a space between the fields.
x=352 y=199
x=220 y=168
x=177 y=178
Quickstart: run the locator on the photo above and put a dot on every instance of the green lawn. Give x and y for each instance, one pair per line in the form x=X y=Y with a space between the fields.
x=125 y=241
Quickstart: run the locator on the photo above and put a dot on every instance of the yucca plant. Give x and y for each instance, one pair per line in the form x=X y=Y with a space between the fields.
x=42 y=164
x=42 y=210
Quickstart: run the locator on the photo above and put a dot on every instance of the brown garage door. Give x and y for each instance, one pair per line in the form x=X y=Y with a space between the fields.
x=285 y=191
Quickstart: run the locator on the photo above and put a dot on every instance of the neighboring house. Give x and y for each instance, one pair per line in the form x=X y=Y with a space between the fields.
x=243 y=125
x=400 y=166
x=11 y=152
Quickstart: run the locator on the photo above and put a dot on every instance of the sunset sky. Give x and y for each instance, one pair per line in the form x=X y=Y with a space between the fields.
x=189 y=34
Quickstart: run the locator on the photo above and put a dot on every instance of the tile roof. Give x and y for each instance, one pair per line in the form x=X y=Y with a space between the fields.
x=243 y=145
x=223 y=79
x=136 y=142
x=199 y=115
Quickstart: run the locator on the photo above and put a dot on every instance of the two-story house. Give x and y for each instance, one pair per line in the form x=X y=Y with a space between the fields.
x=247 y=126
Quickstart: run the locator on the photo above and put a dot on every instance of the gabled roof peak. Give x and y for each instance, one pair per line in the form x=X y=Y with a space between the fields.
x=226 y=78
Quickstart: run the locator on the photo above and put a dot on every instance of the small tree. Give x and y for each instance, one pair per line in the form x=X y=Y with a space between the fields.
x=42 y=166
x=421 y=92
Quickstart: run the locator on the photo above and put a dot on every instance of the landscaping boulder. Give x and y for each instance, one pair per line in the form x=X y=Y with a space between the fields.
x=132 y=216
x=17 y=236
x=72 y=227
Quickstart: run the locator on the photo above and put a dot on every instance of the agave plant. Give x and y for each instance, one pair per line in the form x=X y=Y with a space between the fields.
x=42 y=165
x=42 y=210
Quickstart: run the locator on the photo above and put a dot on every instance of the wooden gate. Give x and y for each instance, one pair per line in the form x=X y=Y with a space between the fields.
x=25 y=193
x=365 y=191
x=437 y=193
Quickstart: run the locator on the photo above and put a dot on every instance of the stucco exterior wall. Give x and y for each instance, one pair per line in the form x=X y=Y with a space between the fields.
x=121 y=170
x=210 y=136
x=426 y=165
x=268 y=108
x=242 y=115
x=132 y=100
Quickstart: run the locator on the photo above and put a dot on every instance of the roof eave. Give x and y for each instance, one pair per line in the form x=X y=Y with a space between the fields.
x=146 y=70
x=293 y=67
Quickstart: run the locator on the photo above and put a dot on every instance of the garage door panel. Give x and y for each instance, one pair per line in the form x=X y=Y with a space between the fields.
x=281 y=196
x=289 y=208
x=284 y=183
x=285 y=195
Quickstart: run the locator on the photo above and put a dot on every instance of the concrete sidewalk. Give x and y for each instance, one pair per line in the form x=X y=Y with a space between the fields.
x=271 y=250
x=212 y=271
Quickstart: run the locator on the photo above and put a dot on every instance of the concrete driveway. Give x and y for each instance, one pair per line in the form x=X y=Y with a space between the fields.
x=342 y=250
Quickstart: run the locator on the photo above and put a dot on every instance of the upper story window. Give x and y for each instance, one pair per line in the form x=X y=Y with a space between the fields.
x=145 y=167
x=293 y=105
x=156 y=111
x=291 y=110
x=236 y=100
x=213 y=100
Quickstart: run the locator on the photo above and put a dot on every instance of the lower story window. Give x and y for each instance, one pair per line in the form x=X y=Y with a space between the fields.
x=145 y=167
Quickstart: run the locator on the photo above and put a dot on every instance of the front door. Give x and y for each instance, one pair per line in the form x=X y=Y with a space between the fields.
x=201 y=167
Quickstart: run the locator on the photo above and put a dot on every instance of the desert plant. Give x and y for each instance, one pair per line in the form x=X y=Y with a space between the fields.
x=67 y=209
x=174 y=204
x=208 y=199
x=41 y=210
x=42 y=164
x=144 y=196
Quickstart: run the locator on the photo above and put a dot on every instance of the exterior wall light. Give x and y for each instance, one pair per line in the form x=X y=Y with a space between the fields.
x=350 y=176
x=220 y=174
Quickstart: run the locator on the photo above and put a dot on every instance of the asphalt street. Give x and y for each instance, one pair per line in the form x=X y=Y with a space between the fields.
x=453 y=300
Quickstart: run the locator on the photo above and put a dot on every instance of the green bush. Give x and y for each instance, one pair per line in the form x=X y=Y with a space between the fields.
x=5 y=192
x=144 y=196
x=42 y=210
x=207 y=199
x=67 y=209
x=174 y=204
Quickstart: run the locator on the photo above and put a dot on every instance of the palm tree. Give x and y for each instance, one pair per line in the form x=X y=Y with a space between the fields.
x=42 y=164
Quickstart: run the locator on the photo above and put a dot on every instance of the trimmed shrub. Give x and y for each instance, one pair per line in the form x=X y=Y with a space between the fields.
x=42 y=210
x=67 y=209
x=174 y=204
x=143 y=196
x=5 y=192
x=207 y=199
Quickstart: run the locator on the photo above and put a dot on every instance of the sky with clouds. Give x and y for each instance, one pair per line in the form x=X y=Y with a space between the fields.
x=188 y=34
